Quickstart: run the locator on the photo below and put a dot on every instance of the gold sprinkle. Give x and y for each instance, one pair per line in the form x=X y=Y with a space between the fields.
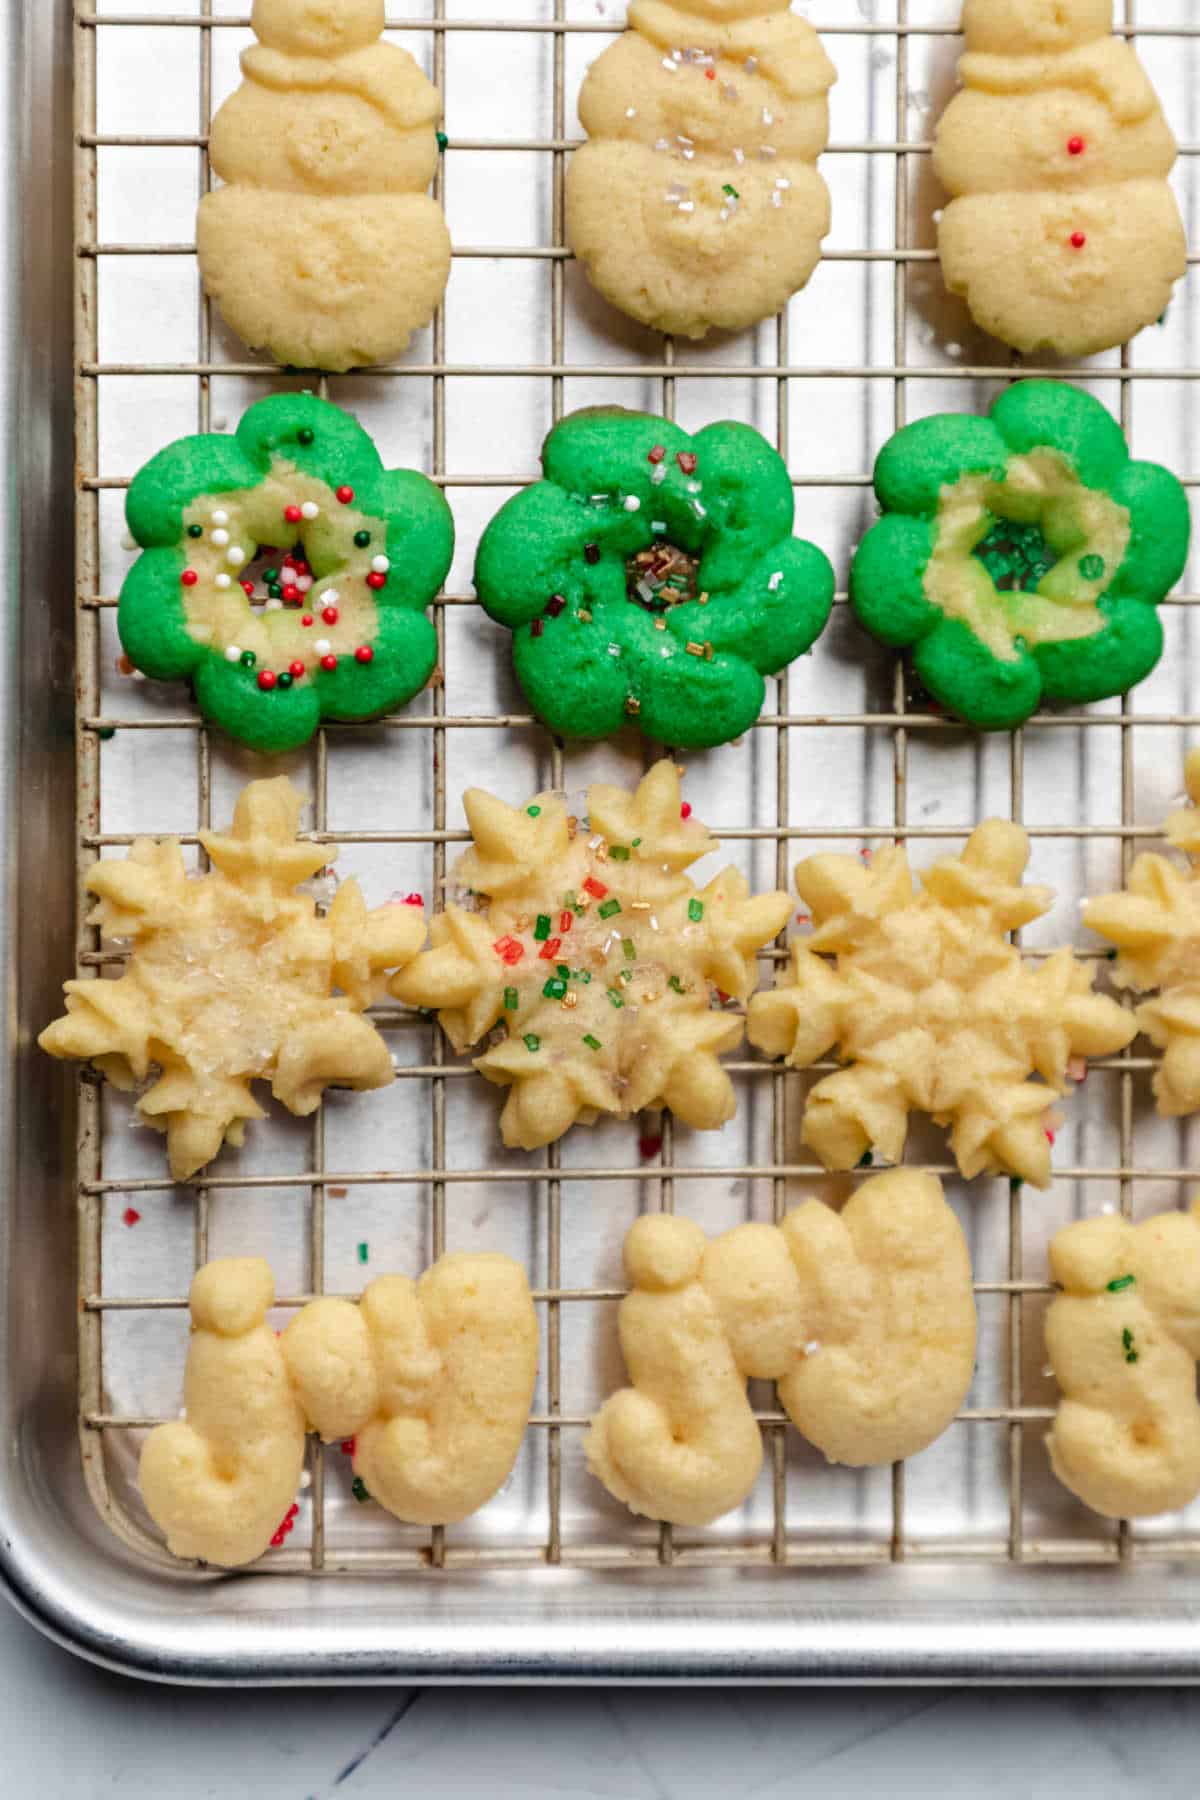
x=694 y=649
x=601 y=852
x=584 y=616
x=633 y=706
x=708 y=651
x=640 y=905
x=701 y=599
x=570 y=1000
x=660 y=624
x=572 y=824
x=670 y=596
x=649 y=999
x=521 y=922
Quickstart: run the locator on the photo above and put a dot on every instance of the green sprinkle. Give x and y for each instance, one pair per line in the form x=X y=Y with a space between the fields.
x=511 y=1000
x=285 y=679
x=105 y=732
x=563 y=970
x=555 y=988
x=541 y=930
x=535 y=812
x=626 y=975
x=305 y=435
x=442 y=140
x=615 y=997
x=593 y=1043
x=359 y=1489
x=676 y=984
x=731 y=191
x=195 y=531
x=609 y=907
x=248 y=659
x=636 y=842
x=865 y=1161
x=618 y=852
x=1131 y=1354
x=532 y=1042
x=571 y=900
x=630 y=949
x=275 y=592
x=583 y=975
x=270 y=575
x=362 y=539
x=1091 y=568
x=1121 y=1283
x=695 y=910
x=364 y=1253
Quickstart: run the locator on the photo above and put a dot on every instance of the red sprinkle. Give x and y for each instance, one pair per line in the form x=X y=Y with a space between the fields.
x=291 y=595
x=293 y=1509
x=248 y=589
x=556 y=604
x=550 y=949
x=509 y=950
x=347 y=1446
x=656 y=455
x=565 y=920
x=685 y=811
x=687 y=460
x=330 y=615
x=345 y=495
x=364 y=654
x=649 y=1147
x=1075 y=146
x=292 y=514
x=296 y=669
x=595 y=888
x=1050 y=1136
x=329 y=662
x=130 y=1216
x=537 y=627
x=414 y=899
x=307 y=619
x=277 y=1539
x=376 y=580
x=1077 y=240
x=301 y=567
x=189 y=578
x=266 y=679
x=710 y=74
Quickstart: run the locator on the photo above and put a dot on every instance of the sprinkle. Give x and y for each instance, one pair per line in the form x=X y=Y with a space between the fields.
x=541 y=930
x=330 y=615
x=1121 y=1283
x=233 y=653
x=614 y=996
x=322 y=646
x=509 y=950
x=1131 y=1354
x=668 y=65
x=130 y=1216
x=731 y=191
x=220 y=517
x=813 y=1347
x=292 y=514
x=329 y=663
x=345 y=495
x=687 y=206
x=362 y=539
x=348 y=1446
x=566 y=919
x=554 y=988
x=584 y=616
x=632 y=504
x=247 y=588
x=266 y=680
x=364 y=1253
x=224 y=581
x=739 y=157
x=248 y=659
x=1091 y=567
x=511 y=999
x=537 y=627
x=751 y=64
x=1078 y=240
x=865 y=1161
x=657 y=476
x=649 y=1147
x=358 y=1489
x=630 y=949
x=657 y=453
x=591 y=553
x=595 y=888
x=767 y=152
x=376 y=581
x=768 y=118
x=310 y=510
x=189 y=578
x=532 y=1042
x=380 y=564
x=1075 y=146
x=593 y=1043
x=781 y=181
x=687 y=460
x=694 y=649
x=608 y=908
x=307 y=619
x=773 y=584
x=296 y=670
x=442 y=140
x=364 y=654
x=619 y=853
x=685 y=811
x=535 y=812
x=235 y=556
x=555 y=604
x=695 y=911
x=631 y=112
x=776 y=199
x=675 y=985
x=550 y=949
x=286 y=679
x=220 y=538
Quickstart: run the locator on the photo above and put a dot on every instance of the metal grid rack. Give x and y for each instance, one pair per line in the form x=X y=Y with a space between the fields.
x=776 y=1545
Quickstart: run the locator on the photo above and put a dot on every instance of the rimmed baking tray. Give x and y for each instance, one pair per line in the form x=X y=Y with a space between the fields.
x=969 y=1563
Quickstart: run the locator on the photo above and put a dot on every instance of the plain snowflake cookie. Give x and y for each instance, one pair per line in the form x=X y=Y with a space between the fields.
x=696 y=202
x=600 y=970
x=1123 y=1338
x=865 y=1318
x=432 y=1379
x=323 y=247
x=1062 y=232
x=921 y=993
x=234 y=978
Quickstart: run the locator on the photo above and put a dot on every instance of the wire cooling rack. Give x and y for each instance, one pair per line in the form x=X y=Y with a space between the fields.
x=844 y=756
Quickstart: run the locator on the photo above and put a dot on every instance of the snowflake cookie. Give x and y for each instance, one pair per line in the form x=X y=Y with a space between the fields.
x=606 y=967
x=695 y=203
x=234 y=979
x=333 y=625
x=432 y=1379
x=1155 y=925
x=322 y=246
x=932 y=1007
x=1021 y=557
x=1123 y=1337
x=865 y=1318
x=1063 y=233
x=652 y=578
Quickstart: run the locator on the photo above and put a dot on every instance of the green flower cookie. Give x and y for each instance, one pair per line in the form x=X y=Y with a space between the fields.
x=335 y=627
x=1021 y=556
x=652 y=576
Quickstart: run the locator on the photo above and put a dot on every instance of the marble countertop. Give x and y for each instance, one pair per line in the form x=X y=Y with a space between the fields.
x=74 y=1730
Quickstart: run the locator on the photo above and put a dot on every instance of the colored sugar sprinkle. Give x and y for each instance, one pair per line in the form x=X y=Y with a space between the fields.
x=676 y=985
x=661 y=576
x=1127 y=1345
x=364 y=1253
x=550 y=949
x=1091 y=568
x=649 y=1147
x=535 y=812
x=541 y=930
x=619 y=853
x=865 y=1161
x=532 y=1041
x=509 y=949
x=511 y=999
x=695 y=911
x=442 y=140
x=1121 y=1283
x=595 y=888
x=609 y=908
x=630 y=949
x=563 y=970
x=615 y=997
x=358 y=1488
x=593 y=1043
x=731 y=191
x=1015 y=556
x=554 y=989
x=130 y=1216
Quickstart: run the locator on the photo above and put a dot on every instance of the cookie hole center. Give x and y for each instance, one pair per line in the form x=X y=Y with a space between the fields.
x=281 y=578
x=662 y=576
x=1016 y=556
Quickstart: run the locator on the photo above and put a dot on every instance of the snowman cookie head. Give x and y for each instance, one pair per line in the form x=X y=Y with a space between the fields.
x=317 y=27
x=1032 y=27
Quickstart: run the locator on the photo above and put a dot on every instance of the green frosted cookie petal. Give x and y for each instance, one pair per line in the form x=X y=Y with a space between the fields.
x=340 y=452
x=746 y=492
x=776 y=612
x=922 y=458
x=605 y=449
x=169 y=482
x=405 y=654
x=693 y=705
x=887 y=580
x=1160 y=529
x=231 y=697
x=1109 y=662
x=151 y=620
x=1032 y=414
x=968 y=680
x=569 y=680
x=420 y=538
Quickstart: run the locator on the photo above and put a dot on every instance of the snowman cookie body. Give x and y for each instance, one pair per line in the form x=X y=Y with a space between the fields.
x=323 y=247
x=696 y=202
x=1063 y=233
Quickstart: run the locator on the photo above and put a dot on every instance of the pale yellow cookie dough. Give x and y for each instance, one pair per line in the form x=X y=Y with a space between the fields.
x=1123 y=1339
x=234 y=979
x=323 y=247
x=1155 y=925
x=696 y=202
x=866 y=1319
x=433 y=1379
x=1063 y=233
x=934 y=1010
x=608 y=968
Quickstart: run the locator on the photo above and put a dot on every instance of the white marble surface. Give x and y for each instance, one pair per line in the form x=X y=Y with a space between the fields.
x=73 y=1730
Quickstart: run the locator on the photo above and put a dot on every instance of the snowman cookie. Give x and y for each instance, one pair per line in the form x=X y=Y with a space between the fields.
x=1062 y=233
x=696 y=202
x=285 y=573
x=323 y=246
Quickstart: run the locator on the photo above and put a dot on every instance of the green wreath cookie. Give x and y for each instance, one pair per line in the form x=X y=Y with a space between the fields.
x=334 y=627
x=652 y=576
x=1021 y=556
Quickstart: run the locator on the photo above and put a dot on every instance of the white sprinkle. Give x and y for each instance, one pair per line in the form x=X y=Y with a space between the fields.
x=220 y=538
x=631 y=112
x=781 y=181
x=303 y=583
x=330 y=597
x=723 y=214
x=662 y=144
x=235 y=555
x=668 y=65
x=693 y=487
x=751 y=64
x=234 y=653
x=380 y=564
x=322 y=646
x=274 y=606
x=937 y=217
x=632 y=503
x=680 y=139
x=776 y=199
x=220 y=518
x=739 y=157
x=775 y=580
x=687 y=206
x=678 y=55
x=688 y=155
x=701 y=512
x=728 y=90
x=305 y=1481
x=310 y=510
x=224 y=581
x=768 y=117
x=128 y=541
x=658 y=525
x=614 y=649
x=767 y=151
x=658 y=475
x=653 y=923
x=813 y=1347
